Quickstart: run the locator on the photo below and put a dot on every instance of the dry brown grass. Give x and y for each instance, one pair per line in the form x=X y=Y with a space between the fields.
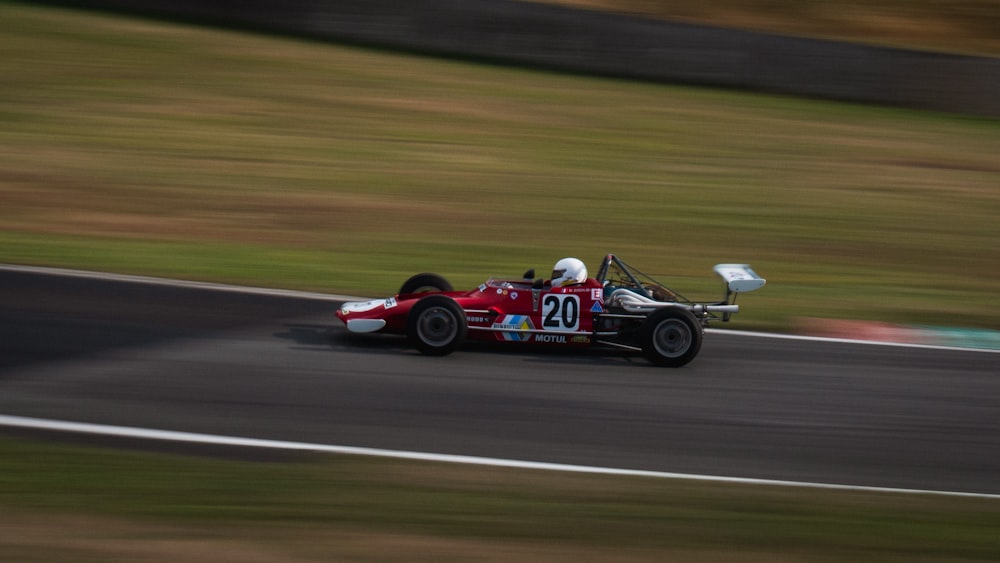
x=966 y=26
x=157 y=149
x=29 y=537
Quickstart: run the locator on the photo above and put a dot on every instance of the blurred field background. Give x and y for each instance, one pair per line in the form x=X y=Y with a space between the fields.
x=94 y=504
x=962 y=26
x=136 y=146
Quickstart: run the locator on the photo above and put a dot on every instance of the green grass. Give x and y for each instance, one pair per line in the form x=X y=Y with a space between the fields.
x=318 y=507
x=153 y=148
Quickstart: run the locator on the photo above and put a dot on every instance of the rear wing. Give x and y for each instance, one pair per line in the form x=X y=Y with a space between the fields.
x=739 y=278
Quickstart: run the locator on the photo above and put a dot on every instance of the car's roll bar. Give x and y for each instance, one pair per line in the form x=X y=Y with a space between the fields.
x=636 y=292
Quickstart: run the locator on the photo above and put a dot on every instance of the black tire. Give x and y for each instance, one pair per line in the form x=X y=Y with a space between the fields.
x=423 y=283
x=670 y=337
x=436 y=325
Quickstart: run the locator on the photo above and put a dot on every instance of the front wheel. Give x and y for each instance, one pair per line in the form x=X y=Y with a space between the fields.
x=436 y=325
x=670 y=337
x=423 y=283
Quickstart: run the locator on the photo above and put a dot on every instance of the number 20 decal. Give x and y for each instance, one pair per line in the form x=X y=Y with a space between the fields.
x=561 y=312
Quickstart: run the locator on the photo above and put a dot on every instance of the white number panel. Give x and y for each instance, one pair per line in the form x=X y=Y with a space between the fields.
x=561 y=311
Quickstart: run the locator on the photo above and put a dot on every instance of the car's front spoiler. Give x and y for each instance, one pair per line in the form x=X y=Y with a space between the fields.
x=365 y=325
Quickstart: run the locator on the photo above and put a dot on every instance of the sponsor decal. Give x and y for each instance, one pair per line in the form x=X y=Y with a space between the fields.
x=477 y=319
x=597 y=294
x=514 y=322
x=390 y=303
x=553 y=338
x=580 y=340
x=597 y=308
x=513 y=295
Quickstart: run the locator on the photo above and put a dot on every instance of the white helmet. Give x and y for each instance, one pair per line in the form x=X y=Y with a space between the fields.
x=568 y=271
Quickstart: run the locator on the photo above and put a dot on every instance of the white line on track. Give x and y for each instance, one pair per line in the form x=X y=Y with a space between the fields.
x=195 y=438
x=175 y=283
x=332 y=297
x=189 y=437
x=778 y=336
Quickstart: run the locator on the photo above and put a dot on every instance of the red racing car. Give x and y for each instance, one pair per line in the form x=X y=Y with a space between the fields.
x=620 y=308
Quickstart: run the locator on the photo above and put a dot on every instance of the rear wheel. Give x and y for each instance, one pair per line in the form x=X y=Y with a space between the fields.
x=423 y=283
x=670 y=337
x=436 y=325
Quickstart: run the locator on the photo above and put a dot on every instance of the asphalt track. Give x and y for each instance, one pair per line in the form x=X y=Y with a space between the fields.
x=279 y=367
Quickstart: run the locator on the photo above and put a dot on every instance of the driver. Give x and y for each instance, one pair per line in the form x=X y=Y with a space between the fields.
x=568 y=271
